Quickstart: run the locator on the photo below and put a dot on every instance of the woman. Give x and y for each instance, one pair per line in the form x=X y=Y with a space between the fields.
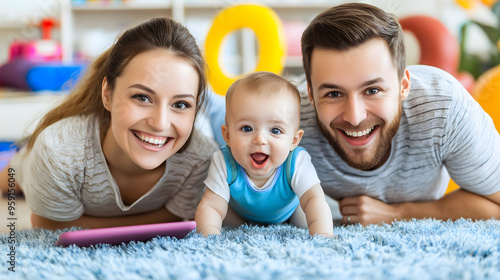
x=121 y=149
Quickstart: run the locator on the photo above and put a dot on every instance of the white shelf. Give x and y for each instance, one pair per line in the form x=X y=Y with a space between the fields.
x=119 y=6
x=21 y=111
x=181 y=10
x=11 y=25
x=204 y=4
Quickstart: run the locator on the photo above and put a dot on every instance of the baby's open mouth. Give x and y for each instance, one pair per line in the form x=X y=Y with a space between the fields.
x=155 y=141
x=259 y=158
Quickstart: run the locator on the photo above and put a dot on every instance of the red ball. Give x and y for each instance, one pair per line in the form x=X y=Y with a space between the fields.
x=438 y=47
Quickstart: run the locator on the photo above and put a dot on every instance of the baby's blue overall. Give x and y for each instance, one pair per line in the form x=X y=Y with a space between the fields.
x=273 y=205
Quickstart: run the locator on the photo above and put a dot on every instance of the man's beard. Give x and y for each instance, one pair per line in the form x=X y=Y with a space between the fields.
x=381 y=153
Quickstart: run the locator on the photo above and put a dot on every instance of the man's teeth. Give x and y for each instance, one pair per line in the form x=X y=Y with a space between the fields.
x=358 y=133
x=152 y=140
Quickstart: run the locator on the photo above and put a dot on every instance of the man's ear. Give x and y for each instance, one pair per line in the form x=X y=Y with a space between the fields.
x=310 y=94
x=105 y=94
x=296 y=139
x=405 y=85
x=225 y=133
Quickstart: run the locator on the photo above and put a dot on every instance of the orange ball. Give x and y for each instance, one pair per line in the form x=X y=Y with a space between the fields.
x=467 y=4
x=451 y=187
x=487 y=93
x=489 y=2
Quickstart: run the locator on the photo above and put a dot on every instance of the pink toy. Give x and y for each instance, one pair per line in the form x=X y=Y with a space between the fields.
x=42 y=50
x=119 y=235
x=293 y=33
x=16 y=49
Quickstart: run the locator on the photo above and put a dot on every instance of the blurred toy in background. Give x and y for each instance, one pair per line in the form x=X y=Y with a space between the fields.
x=7 y=150
x=293 y=33
x=485 y=68
x=470 y=61
x=438 y=46
x=35 y=65
x=268 y=29
x=487 y=93
x=23 y=74
x=45 y=49
x=471 y=4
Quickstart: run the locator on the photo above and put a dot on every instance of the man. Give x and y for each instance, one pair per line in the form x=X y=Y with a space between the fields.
x=385 y=138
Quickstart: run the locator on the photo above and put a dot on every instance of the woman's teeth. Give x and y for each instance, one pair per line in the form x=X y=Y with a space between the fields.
x=154 y=141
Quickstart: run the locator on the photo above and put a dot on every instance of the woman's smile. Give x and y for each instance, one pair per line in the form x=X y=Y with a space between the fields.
x=154 y=141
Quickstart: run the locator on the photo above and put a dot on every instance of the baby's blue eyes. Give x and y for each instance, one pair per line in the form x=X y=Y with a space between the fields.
x=275 y=130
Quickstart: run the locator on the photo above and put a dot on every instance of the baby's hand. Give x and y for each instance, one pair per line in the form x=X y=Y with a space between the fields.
x=328 y=235
x=209 y=231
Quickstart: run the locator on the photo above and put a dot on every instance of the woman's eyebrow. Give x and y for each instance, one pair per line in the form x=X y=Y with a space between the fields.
x=143 y=87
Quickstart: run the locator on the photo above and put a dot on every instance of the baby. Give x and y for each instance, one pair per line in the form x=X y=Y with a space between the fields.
x=262 y=175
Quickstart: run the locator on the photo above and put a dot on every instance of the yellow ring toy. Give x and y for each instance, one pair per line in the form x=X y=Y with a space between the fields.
x=268 y=30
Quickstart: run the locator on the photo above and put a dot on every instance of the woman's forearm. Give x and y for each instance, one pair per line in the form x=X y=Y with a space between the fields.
x=161 y=215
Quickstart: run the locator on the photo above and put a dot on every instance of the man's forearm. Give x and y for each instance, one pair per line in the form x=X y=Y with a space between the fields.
x=455 y=205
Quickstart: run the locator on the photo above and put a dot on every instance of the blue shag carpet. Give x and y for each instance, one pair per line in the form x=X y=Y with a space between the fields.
x=419 y=249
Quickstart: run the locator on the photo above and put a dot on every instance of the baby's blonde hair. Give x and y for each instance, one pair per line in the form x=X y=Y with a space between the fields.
x=263 y=83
